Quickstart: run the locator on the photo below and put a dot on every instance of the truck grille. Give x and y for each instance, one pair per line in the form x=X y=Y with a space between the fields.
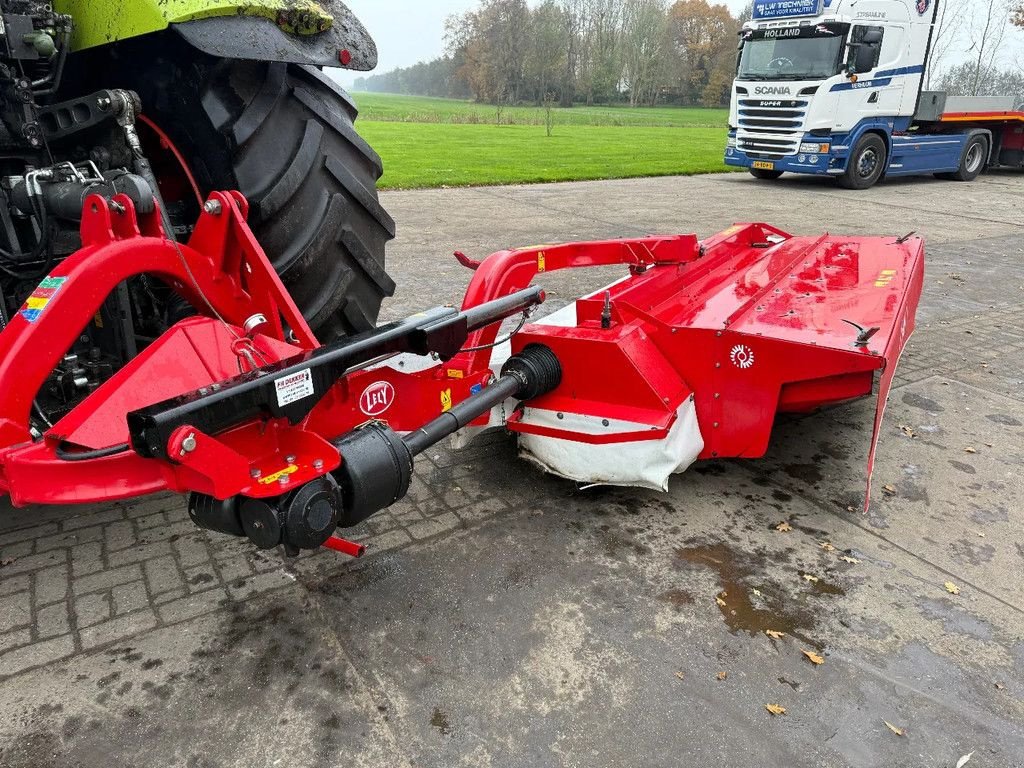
x=770 y=127
x=773 y=145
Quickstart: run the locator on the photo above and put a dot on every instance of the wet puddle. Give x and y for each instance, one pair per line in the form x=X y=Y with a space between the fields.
x=749 y=601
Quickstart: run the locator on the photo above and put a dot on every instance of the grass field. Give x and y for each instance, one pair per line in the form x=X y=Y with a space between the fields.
x=418 y=109
x=444 y=142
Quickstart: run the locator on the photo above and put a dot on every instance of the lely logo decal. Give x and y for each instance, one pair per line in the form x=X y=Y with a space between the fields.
x=742 y=356
x=377 y=398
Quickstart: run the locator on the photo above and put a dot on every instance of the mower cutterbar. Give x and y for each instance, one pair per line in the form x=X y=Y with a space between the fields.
x=281 y=439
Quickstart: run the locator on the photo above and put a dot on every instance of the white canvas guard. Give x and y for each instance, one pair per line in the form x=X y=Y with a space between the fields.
x=637 y=463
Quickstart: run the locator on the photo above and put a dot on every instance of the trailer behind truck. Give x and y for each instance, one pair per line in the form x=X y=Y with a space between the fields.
x=834 y=88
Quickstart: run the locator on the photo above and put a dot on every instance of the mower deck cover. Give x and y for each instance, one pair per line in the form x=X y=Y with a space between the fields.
x=694 y=357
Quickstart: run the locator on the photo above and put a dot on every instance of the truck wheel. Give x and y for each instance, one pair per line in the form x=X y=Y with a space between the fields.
x=283 y=135
x=972 y=160
x=761 y=173
x=866 y=164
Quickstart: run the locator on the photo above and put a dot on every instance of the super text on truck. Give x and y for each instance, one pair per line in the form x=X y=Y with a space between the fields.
x=833 y=87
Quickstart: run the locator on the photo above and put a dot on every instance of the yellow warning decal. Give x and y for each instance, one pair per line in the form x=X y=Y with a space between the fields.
x=446 y=400
x=730 y=231
x=541 y=264
x=455 y=373
x=291 y=469
x=885 y=277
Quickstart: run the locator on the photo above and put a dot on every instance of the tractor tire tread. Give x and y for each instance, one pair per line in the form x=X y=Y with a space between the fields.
x=310 y=178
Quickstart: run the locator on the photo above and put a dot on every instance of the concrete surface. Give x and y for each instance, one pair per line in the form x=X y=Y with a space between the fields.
x=505 y=618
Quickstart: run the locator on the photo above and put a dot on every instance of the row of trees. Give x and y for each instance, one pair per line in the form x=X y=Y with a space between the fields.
x=649 y=51
x=603 y=51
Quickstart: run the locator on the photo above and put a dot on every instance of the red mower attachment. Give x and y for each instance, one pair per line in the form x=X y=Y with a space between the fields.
x=693 y=354
x=282 y=439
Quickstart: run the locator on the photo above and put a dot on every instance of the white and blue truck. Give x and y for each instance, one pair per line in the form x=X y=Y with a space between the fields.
x=834 y=88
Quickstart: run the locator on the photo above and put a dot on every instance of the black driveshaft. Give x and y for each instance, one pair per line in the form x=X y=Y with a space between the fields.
x=462 y=414
x=377 y=463
x=533 y=372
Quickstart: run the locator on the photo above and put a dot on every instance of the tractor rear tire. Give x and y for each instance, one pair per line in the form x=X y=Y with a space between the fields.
x=283 y=135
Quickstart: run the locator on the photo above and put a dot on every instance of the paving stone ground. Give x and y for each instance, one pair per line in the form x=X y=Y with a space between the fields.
x=505 y=618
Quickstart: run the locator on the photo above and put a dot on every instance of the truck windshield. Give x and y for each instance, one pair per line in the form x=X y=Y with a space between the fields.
x=792 y=53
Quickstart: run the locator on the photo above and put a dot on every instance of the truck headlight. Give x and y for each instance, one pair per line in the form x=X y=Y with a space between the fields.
x=731 y=141
x=813 y=147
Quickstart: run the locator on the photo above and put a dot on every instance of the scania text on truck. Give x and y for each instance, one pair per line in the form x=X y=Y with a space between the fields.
x=834 y=87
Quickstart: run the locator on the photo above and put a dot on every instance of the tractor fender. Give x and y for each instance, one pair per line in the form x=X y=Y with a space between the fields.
x=322 y=33
x=345 y=44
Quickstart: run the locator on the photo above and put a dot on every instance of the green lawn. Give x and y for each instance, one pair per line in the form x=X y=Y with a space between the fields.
x=418 y=109
x=443 y=142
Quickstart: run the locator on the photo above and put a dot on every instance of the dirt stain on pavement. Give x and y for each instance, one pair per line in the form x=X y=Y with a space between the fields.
x=676 y=597
x=806 y=473
x=915 y=400
x=440 y=721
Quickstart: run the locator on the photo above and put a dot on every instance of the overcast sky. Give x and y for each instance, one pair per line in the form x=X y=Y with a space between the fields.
x=409 y=31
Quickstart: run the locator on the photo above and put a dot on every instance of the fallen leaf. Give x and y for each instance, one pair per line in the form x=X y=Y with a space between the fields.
x=965 y=759
x=827 y=546
x=952 y=588
x=719 y=600
x=680 y=675
x=894 y=729
x=999 y=686
x=756 y=592
x=775 y=709
x=813 y=657
x=848 y=559
x=981 y=534
x=774 y=634
x=722 y=675
x=990 y=445
x=908 y=431
x=969 y=449
x=810 y=578
x=784 y=527
x=8 y=561
x=889 y=489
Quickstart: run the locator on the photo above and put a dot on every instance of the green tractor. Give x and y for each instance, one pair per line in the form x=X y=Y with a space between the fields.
x=178 y=98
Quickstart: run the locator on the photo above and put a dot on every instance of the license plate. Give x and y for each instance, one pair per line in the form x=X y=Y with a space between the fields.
x=764 y=165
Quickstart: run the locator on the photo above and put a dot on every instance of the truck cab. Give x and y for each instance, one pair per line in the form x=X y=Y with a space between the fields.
x=831 y=87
